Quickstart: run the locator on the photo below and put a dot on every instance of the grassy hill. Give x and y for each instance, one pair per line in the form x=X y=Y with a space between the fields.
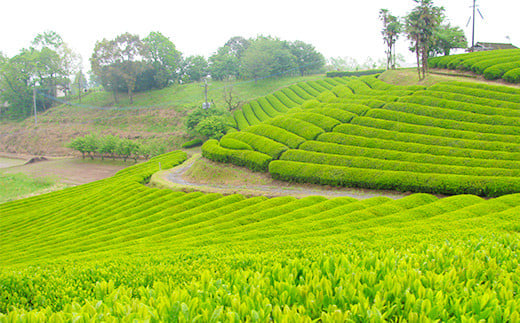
x=448 y=138
x=117 y=250
x=154 y=116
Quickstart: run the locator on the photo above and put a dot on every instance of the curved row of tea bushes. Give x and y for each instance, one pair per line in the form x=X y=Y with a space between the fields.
x=358 y=136
x=451 y=114
x=491 y=64
x=382 y=129
x=449 y=127
x=393 y=180
x=389 y=151
x=416 y=166
x=277 y=134
x=299 y=127
x=251 y=159
x=322 y=121
x=458 y=102
x=259 y=143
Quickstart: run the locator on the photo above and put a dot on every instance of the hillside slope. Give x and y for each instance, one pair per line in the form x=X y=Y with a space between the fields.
x=118 y=250
x=154 y=116
x=448 y=138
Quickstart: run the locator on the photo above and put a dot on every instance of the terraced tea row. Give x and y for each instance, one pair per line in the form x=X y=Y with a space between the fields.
x=118 y=250
x=451 y=138
x=494 y=64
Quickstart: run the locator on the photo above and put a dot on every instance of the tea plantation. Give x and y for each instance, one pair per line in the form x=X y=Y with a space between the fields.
x=495 y=64
x=449 y=138
x=117 y=250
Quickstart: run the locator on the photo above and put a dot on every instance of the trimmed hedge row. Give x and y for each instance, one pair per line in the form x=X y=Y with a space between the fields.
x=400 y=165
x=277 y=104
x=377 y=84
x=299 y=127
x=262 y=144
x=477 y=92
x=443 y=113
x=489 y=87
x=370 y=128
x=323 y=84
x=393 y=180
x=285 y=100
x=240 y=119
x=447 y=100
x=360 y=138
x=258 y=111
x=267 y=107
x=277 y=134
x=309 y=89
x=484 y=64
x=451 y=128
x=250 y=115
x=353 y=73
x=301 y=92
x=497 y=71
x=230 y=143
x=293 y=96
x=253 y=160
x=389 y=153
x=342 y=91
x=355 y=108
x=326 y=96
x=512 y=76
x=319 y=120
x=338 y=114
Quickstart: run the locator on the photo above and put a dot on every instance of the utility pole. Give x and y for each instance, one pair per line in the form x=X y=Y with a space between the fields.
x=34 y=105
x=473 y=28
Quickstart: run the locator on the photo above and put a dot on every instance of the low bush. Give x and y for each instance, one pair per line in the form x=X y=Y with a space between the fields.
x=342 y=91
x=230 y=143
x=259 y=111
x=324 y=122
x=277 y=104
x=497 y=71
x=192 y=143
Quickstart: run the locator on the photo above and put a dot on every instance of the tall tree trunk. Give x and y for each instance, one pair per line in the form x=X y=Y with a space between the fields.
x=130 y=96
x=417 y=57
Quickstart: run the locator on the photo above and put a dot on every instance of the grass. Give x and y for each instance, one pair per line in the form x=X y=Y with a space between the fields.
x=19 y=185
x=408 y=76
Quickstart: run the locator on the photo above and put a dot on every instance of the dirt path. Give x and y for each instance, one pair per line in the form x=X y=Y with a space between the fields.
x=177 y=177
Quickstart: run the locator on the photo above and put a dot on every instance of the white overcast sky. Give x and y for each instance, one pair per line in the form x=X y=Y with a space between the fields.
x=334 y=27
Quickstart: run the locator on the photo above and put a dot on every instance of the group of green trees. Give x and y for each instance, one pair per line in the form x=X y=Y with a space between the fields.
x=130 y=64
x=47 y=65
x=114 y=147
x=424 y=26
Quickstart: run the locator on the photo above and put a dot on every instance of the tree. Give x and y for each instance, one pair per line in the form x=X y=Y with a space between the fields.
x=267 y=56
x=16 y=83
x=231 y=99
x=165 y=59
x=80 y=82
x=391 y=29
x=237 y=46
x=194 y=68
x=119 y=62
x=307 y=58
x=420 y=25
x=448 y=37
x=223 y=64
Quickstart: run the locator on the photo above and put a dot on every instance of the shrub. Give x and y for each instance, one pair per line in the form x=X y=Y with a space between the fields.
x=310 y=104
x=299 y=127
x=213 y=127
x=192 y=143
x=230 y=143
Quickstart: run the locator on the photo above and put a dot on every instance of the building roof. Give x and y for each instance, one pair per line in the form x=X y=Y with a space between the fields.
x=491 y=46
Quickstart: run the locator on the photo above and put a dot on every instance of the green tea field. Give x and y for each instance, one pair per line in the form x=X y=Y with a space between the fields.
x=447 y=138
x=117 y=250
